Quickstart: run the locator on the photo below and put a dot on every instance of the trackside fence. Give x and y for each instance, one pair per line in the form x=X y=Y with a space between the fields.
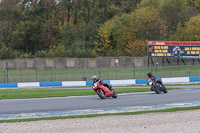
x=117 y=73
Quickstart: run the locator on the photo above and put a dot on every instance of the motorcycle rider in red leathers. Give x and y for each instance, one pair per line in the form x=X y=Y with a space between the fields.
x=107 y=89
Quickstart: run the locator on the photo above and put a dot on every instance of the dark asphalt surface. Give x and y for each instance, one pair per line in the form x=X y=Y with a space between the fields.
x=16 y=106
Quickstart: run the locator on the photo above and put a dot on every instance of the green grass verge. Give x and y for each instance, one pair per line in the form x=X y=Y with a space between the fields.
x=42 y=93
x=97 y=115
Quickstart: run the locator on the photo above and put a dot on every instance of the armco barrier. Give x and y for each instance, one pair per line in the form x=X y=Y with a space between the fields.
x=144 y=81
x=49 y=84
x=5 y=85
x=176 y=80
x=74 y=83
x=123 y=82
x=194 y=79
x=89 y=83
x=141 y=81
x=30 y=84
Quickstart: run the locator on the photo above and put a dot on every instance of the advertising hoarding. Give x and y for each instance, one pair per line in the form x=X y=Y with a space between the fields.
x=173 y=49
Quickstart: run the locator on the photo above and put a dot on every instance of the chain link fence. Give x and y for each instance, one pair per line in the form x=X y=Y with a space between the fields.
x=118 y=73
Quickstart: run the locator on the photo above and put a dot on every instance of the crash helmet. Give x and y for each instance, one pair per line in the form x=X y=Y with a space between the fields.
x=94 y=77
x=149 y=74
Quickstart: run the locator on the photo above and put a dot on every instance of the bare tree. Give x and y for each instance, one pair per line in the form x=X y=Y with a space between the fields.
x=68 y=4
x=77 y=5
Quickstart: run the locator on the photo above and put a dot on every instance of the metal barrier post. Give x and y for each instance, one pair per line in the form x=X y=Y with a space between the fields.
x=66 y=74
x=51 y=73
x=170 y=70
x=20 y=75
x=6 y=75
x=35 y=75
x=100 y=74
x=156 y=68
x=116 y=64
x=133 y=70
x=189 y=69
x=83 y=78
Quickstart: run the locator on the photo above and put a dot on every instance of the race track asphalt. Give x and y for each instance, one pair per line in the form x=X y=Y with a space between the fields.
x=15 y=106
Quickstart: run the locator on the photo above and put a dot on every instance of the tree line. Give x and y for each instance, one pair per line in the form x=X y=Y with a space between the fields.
x=91 y=28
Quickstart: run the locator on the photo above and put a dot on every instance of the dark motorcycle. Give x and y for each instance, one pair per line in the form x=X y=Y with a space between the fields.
x=104 y=91
x=157 y=86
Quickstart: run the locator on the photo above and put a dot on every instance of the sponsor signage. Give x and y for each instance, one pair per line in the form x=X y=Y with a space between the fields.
x=170 y=49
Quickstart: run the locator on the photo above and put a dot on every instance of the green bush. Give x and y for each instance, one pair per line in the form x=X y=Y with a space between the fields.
x=6 y=53
x=41 y=53
x=56 y=51
x=21 y=54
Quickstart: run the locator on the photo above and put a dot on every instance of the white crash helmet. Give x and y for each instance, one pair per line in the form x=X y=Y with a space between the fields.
x=94 y=77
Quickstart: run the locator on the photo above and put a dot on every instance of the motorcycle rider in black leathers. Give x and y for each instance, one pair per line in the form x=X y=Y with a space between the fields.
x=152 y=77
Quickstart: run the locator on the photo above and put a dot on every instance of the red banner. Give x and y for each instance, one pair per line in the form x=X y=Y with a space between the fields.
x=175 y=43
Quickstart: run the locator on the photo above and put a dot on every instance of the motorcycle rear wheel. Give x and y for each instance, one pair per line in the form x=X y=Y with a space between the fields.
x=101 y=94
x=164 y=89
x=114 y=94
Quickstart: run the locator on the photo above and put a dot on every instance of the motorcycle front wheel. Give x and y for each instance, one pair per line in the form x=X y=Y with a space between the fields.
x=101 y=93
x=164 y=89
x=156 y=90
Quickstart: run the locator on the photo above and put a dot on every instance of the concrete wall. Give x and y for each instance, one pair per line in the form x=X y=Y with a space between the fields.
x=88 y=63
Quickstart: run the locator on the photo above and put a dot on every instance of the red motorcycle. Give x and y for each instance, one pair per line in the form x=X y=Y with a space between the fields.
x=104 y=91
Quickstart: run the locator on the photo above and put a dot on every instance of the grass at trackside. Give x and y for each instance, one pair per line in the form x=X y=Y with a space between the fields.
x=98 y=115
x=42 y=93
